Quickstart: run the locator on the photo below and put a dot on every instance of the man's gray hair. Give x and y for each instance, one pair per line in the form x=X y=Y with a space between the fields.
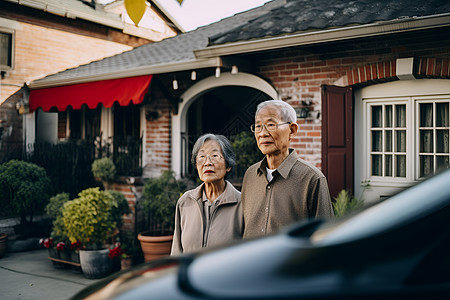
x=287 y=112
x=225 y=145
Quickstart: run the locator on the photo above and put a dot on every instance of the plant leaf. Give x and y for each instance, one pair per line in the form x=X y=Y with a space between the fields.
x=135 y=10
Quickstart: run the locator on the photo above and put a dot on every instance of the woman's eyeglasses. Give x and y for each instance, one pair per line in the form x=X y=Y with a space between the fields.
x=214 y=158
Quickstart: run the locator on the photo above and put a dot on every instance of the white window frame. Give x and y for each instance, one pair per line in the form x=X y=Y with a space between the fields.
x=389 y=180
x=384 y=180
x=411 y=92
x=417 y=102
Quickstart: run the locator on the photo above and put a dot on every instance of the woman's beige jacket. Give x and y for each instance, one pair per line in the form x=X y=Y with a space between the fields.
x=226 y=222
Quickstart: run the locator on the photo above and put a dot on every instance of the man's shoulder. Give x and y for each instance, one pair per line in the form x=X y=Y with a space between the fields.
x=306 y=167
x=253 y=169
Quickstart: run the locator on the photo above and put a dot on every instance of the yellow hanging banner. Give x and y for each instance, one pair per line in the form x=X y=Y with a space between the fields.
x=136 y=9
x=180 y=1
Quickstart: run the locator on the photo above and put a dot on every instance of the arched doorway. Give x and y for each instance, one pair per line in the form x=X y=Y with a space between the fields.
x=224 y=105
x=226 y=110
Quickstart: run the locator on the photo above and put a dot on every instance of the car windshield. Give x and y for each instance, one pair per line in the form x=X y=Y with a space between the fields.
x=408 y=205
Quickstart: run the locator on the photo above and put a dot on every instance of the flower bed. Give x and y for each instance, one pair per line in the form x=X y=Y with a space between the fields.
x=62 y=255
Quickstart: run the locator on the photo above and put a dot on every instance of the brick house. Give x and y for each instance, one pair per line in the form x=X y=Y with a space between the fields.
x=369 y=81
x=42 y=37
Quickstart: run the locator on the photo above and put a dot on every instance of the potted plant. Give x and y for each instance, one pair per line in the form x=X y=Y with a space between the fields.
x=57 y=250
x=104 y=170
x=160 y=198
x=24 y=192
x=87 y=219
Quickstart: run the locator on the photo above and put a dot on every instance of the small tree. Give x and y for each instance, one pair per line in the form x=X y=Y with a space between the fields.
x=23 y=189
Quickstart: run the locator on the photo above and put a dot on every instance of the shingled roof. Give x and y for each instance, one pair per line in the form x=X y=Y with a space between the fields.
x=304 y=15
x=275 y=18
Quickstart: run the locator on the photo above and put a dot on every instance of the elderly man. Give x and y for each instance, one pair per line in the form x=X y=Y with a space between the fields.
x=282 y=188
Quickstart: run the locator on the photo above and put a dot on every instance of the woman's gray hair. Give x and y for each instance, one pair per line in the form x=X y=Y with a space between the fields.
x=225 y=145
x=287 y=112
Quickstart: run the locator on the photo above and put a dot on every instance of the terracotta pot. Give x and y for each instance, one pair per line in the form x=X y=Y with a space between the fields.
x=3 y=244
x=95 y=263
x=155 y=247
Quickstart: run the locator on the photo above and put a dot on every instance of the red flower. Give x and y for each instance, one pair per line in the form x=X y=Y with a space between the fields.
x=115 y=252
x=48 y=242
x=75 y=246
x=60 y=246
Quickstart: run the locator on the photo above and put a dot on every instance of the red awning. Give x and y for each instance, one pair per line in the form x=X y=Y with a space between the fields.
x=107 y=92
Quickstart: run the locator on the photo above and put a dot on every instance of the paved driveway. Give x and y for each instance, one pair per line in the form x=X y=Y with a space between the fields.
x=31 y=275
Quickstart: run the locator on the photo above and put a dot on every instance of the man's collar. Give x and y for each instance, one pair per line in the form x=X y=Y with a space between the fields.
x=285 y=166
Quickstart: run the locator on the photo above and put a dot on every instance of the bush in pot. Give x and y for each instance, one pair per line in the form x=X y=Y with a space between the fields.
x=24 y=190
x=160 y=198
x=87 y=219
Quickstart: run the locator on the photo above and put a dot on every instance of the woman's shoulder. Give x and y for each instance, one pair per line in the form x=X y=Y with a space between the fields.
x=191 y=195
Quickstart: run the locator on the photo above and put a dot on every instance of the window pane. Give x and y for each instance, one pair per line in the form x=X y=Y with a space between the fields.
x=376 y=165
x=400 y=165
x=400 y=140
x=426 y=165
x=426 y=141
x=388 y=116
x=426 y=115
x=388 y=141
x=388 y=165
x=442 y=141
x=442 y=163
x=442 y=114
x=400 y=115
x=376 y=141
x=376 y=116
x=6 y=49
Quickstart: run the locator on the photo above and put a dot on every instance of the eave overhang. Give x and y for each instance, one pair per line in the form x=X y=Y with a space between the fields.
x=328 y=35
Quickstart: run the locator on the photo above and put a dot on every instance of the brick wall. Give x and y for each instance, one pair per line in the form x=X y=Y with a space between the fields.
x=157 y=140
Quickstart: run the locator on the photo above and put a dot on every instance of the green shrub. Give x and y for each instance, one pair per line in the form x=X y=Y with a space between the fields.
x=87 y=218
x=54 y=209
x=104 y=169
x=247 y=152
x=160 y=198
x=345 y=202
x=121 y=209
x=23 y=189
x=55 y=205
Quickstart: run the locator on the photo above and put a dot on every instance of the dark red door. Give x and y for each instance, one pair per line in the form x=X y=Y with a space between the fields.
x=337 y=137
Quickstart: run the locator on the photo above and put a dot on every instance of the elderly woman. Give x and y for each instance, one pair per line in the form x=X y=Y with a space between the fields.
x=210 y=214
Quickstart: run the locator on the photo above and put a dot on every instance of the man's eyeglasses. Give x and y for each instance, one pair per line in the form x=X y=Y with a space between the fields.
x=214 y=158
x=269 y=126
